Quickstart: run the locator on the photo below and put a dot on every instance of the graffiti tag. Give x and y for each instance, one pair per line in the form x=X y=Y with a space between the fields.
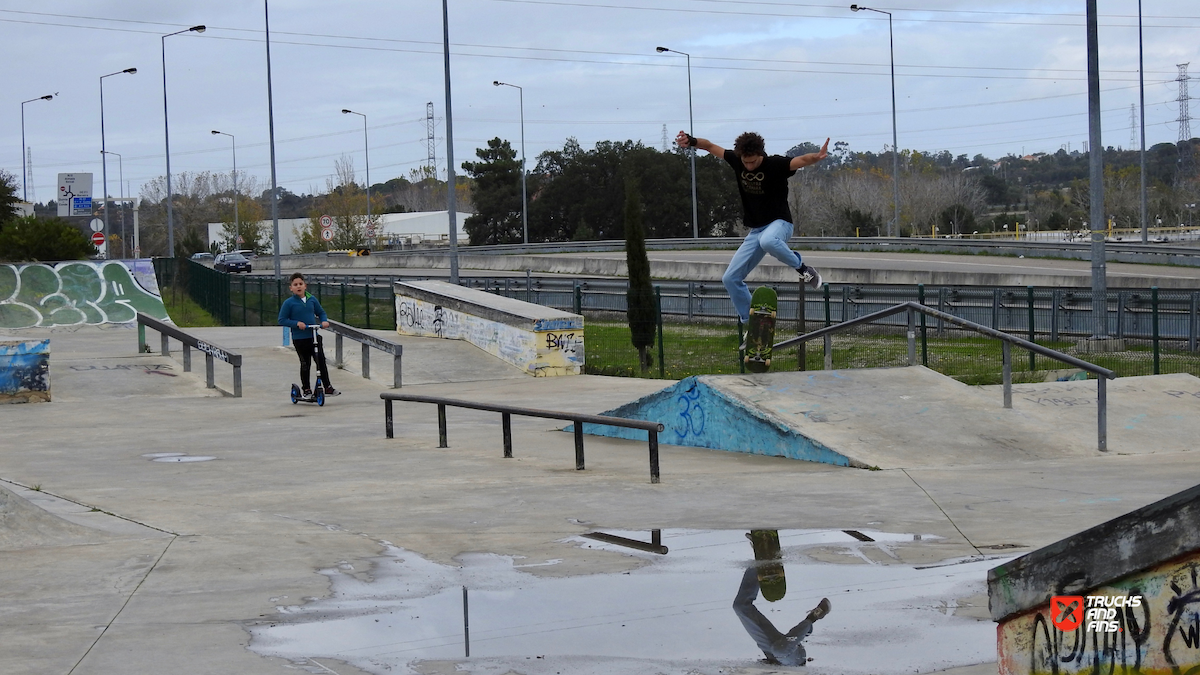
x=691 y=414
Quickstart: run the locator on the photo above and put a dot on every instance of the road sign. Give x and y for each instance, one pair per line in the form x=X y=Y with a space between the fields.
x=241 y=240
x=327 y=235
x=326 y=222
x=74 y=194
x=97 y=225
x=98 y=239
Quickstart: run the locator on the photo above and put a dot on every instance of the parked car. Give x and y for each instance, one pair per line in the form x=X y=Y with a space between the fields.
x=202 y=257
x=232 y=262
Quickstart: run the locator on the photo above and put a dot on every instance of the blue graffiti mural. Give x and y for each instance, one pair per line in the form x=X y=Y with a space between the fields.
x=25 y=370
x=691 y=414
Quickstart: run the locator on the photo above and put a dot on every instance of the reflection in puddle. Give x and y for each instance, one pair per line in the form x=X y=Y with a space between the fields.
x=695 y=610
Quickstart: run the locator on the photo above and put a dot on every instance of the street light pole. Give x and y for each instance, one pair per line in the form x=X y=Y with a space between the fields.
x=1142 y=115
x=167 y=141
x=121 y=175
x=1096 y=180
x=237 y=223
x=367 y=159
x=25 y=171
x=524 y=199
x=103 y=148
x=271 y=136
x=692 y=131
x=895 y=143
x=451 y=181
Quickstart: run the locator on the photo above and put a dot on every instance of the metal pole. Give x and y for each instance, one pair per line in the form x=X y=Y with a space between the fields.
x=692 y=131
x=367 y=161
x=1096 y=181
x=1142 y=95
x=895 y=142
x=271 y=130
x=167 y=141
x=237 y=232
x=24 y=170
x=103 y=165
x=524 y=194
x=451 y=207
x=121 y=177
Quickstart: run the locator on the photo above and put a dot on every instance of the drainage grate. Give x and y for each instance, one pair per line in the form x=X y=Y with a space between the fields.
x=858 y=535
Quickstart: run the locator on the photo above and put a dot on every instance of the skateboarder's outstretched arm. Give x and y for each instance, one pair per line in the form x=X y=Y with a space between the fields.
x=682 y=140
x=811 y=158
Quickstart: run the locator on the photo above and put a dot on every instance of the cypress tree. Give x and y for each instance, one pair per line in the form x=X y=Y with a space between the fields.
x=639 y=299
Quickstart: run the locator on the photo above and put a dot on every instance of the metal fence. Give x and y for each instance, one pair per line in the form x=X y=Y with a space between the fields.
x=1159 y=328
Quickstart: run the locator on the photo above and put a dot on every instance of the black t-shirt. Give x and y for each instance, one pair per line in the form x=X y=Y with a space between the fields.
x=764 y=191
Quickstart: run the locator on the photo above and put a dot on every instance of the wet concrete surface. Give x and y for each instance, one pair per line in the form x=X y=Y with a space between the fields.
x=118 y=564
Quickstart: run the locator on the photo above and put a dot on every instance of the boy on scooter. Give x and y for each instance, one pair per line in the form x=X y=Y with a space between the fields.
x=300 y=312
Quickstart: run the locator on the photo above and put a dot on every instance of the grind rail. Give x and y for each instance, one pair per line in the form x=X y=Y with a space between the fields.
x=506 y=413
x=1007 y=342
x=211 y=351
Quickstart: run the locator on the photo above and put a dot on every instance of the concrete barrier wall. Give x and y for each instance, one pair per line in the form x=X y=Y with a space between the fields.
x=541 y=341
x=80 y=292
x=25 y=371
x=1152 y=554
x=1161 y=636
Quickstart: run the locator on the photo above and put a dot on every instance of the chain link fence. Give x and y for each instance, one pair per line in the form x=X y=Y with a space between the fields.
x=1156 y=330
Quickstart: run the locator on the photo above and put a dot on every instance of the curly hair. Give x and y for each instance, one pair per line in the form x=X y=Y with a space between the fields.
x=749 y=143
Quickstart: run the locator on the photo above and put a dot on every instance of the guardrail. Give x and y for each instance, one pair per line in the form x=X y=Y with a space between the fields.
x=367 y=341
x=211 y=352
x=506 y=413
x=1007 y=341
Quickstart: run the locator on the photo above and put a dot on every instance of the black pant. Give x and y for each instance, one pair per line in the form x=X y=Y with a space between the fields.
x=306 y=349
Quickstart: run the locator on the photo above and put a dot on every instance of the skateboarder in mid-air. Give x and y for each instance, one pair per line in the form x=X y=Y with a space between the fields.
x=763 y=186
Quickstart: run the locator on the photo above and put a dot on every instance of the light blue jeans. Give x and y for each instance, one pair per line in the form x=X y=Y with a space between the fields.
x=771 y=238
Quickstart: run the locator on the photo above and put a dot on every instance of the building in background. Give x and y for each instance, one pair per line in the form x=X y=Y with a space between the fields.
x=395 y=231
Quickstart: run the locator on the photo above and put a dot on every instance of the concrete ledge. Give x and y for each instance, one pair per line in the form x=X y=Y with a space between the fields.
x=1134 y=542
x=541 y=341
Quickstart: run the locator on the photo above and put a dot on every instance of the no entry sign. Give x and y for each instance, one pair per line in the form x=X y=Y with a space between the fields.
x=98 y=238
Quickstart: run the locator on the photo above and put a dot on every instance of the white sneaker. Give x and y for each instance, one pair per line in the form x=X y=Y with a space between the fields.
x=810 y=276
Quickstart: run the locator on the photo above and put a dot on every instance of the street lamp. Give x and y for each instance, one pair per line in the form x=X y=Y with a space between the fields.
x=367 y=159
x=237 y=223
x=24 y=171
x=103 y=150
x=167 y=140
x=895 y=143
x=121 y=165
x=692 y=132
x=524 y=200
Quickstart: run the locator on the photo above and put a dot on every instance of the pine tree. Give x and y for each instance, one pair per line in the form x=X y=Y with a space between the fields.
x=639 y=299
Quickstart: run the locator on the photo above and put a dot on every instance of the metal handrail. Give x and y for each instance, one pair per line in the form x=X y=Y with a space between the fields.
x=506 y=413
x=1007 y=341
x=211 y=351
x=367 y=341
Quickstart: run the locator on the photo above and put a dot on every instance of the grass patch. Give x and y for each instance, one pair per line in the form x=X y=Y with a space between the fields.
x=184 y=311
x=708 y=349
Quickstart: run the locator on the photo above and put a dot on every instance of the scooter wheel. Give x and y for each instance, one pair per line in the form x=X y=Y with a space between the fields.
x=320 y=395
x=295 y=394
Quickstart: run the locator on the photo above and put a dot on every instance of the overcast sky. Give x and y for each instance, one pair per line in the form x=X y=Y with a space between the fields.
x=971 y=77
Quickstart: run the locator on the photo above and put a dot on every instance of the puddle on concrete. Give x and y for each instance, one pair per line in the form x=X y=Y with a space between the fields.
x=674 y=615
x=156 y=455
x=184 y=458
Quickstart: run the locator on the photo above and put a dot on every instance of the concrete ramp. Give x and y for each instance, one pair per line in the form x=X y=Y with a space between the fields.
x=886 y=418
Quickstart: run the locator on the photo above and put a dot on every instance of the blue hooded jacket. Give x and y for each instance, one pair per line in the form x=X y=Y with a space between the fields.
x=295 y=310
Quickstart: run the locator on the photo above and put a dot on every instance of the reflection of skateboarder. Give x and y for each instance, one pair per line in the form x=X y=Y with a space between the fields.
x=779 y=648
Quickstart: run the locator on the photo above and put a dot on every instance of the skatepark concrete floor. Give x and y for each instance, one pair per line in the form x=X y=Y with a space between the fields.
x=307 y=521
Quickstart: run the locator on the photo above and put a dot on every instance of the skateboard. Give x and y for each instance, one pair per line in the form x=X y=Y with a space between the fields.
x=760 y=332
x=771 y=582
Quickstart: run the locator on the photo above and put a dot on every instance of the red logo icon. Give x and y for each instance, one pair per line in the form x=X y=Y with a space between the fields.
x=1066 y=612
